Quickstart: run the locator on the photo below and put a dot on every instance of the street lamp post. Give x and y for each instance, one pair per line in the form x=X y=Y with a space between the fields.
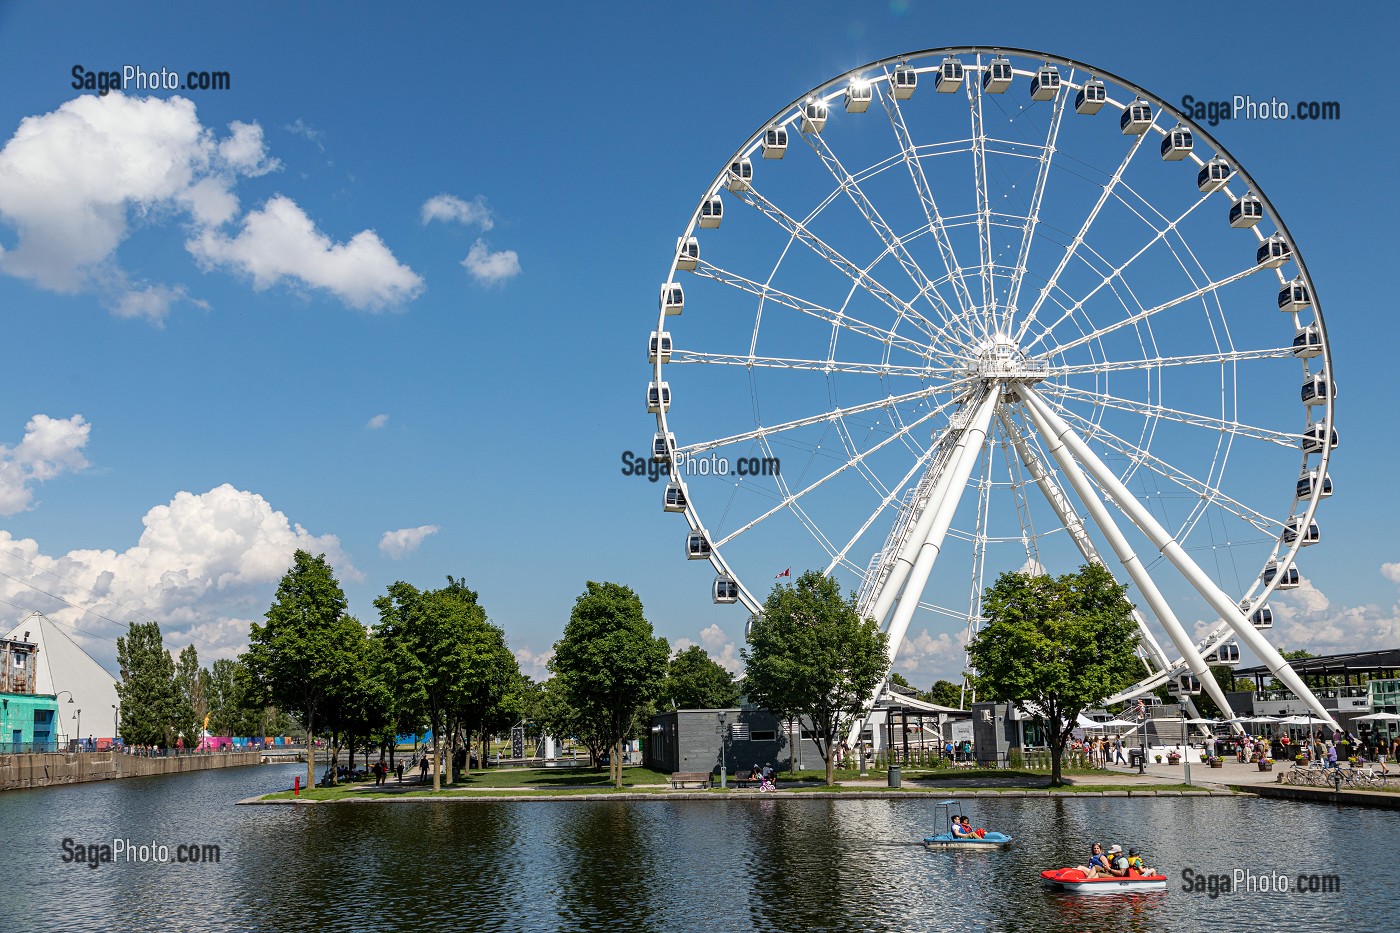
x=78 y=730
x=1185 y=752
x=59 y=719
x=116 y=710
x=723 y=750
x=1142 y=737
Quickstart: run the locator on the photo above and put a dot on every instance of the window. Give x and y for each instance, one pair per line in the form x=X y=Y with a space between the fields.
x=765 y=735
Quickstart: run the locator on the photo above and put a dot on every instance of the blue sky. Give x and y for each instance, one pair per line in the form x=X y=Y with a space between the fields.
x=279 y=342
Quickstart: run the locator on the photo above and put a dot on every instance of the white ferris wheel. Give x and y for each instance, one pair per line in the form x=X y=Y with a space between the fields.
x=969 y=310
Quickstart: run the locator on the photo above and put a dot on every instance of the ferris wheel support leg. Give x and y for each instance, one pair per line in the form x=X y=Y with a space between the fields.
x=955 y=479
x=1139 y=516
x=1069 y=520
x=1099 y=514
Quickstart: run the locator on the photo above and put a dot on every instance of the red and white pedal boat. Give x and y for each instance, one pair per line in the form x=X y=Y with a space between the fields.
x=1073 y=881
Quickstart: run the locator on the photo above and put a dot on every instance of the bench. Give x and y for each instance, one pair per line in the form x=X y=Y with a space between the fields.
x=681 y=778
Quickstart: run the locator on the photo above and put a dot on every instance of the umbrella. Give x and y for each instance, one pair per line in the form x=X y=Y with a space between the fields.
x=1297 y=721
x=1117 y=723
x=1205 y=722
x=1382 y=717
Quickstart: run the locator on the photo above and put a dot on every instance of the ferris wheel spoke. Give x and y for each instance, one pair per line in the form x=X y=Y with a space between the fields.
x=1037 y=197
x=1117 y=273
x=984 y=209
x=749 y=361
x=1078 y=240
x=1223 y=358
x=894 y=246
x=930 y=206
x=839 y=319
x=861 y=277
x=790 y=498
x=1236 y=428
x=1177 y=476
x=980 y=537
x=836 y=413
x=1137 y=317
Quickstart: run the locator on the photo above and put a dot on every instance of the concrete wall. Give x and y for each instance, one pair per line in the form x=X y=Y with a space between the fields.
x=44 y=770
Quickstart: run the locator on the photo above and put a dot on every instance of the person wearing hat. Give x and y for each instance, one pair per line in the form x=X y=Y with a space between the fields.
x=1135 y=867
x=1117 y=864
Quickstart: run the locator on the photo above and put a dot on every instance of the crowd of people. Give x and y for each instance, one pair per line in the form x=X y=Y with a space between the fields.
x=1114 y=864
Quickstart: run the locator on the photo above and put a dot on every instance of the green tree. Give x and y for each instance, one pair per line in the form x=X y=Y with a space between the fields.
x=945 y=693
x=302 y=657
x=1055 y=646
x=694 y=680
x=609 y=663
x=190 y=704
x=811 y=655
x=149 y=705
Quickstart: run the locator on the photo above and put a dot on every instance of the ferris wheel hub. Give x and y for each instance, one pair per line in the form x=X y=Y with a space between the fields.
x=1000 y=359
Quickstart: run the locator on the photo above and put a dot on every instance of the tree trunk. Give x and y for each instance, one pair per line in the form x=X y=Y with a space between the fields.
x=830 y=756
x=310 y=749
x=617 y=764
x=437 y=761
x=335 y=759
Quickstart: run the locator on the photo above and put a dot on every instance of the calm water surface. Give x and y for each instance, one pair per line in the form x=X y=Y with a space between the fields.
x=754 y=864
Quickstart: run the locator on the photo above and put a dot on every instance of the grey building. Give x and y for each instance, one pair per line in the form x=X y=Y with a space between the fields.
x=703 y=739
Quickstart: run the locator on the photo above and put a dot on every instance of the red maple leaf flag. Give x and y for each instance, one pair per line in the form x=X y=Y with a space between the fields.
x=785 y=573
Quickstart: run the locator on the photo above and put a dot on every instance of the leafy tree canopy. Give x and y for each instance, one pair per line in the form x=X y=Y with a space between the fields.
x=694 y=680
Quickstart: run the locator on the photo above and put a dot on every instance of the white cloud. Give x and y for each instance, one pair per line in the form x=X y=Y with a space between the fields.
x=932 y=656
x=204 y=566
x=377 y=422
x=446 y=207
x=50 y=447
x=491 y=268
x=74 y=179
x=279 y=242
x=396 y=545
x=534 y=664
x=1307 y=618
x=717 y=645
x=1391 y=571
x=306 y=131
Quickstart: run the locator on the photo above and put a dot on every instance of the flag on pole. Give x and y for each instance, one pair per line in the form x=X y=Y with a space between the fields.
x=785 y=573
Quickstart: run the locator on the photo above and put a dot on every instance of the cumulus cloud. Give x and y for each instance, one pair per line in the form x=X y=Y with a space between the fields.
x=204 y=566
x=491 y=268
x=534 y=664
x=396 y=545
x=932 y=656
x=717 y=645
x=50 y=447
x=75 y=181
x=377 y=422
x=447 y=208
x=1391 y=571
x=1307 y=618
x=72 y=181
x=280 y=243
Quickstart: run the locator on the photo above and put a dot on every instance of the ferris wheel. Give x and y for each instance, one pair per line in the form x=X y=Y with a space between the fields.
x=970 y=310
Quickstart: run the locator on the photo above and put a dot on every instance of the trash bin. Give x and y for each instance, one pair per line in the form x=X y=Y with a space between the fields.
x=1134 y=757
x=894 y=776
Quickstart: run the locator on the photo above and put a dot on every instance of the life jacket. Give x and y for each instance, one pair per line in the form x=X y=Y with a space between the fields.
x=1135 y=866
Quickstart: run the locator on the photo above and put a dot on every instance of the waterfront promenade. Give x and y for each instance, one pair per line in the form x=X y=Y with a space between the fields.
x=47 y=769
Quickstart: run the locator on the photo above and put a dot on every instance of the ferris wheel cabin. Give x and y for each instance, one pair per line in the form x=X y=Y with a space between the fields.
x=1263 y=617
x=1290 y=533
x=1315 y=438
x=814 y=114
x=740 y=175
x=1045 y=83
x=1317 y=390
x=950 y=76
x=1273 y=252
x=1176 y=145
x=1294 y=296
x=997 y=76
x=674 y=498
x=903 y=82
x=858 y=96
x=1246 y=212
x=711 y=212
x=1227 y=655
x=697 y=546
x=661 y=447
x=672 y=297
x=725 y=589
x=1091 y=97
x=775 y=142
x=659 y=347
x=1287 y=579
x=1136 y=118
x=1308 y=482
x=658 y=399
x=1184 y=685
x=687 y=253
x=1307 y=342
x=1213 y=175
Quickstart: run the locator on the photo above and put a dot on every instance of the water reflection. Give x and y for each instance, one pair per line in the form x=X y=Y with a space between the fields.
x=665 y=865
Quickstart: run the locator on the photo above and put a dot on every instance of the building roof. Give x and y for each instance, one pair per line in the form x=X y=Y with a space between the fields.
x=62 y=665
x=1335 y=665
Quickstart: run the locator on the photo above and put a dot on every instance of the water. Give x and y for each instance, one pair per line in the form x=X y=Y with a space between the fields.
x=666 y=865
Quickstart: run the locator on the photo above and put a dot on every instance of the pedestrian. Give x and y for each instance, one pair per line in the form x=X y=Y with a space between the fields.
x=423 y=769
x=1118 y=751
x=398 y=769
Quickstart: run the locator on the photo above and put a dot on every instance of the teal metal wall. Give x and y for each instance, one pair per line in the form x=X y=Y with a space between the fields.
x=29 y=722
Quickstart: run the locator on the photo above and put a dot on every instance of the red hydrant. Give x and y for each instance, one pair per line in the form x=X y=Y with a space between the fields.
x=296 y=787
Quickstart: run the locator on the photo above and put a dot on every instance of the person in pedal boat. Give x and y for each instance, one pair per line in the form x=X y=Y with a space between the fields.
x=1117 y=864
x=1098 y=864
x=1135 y=867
